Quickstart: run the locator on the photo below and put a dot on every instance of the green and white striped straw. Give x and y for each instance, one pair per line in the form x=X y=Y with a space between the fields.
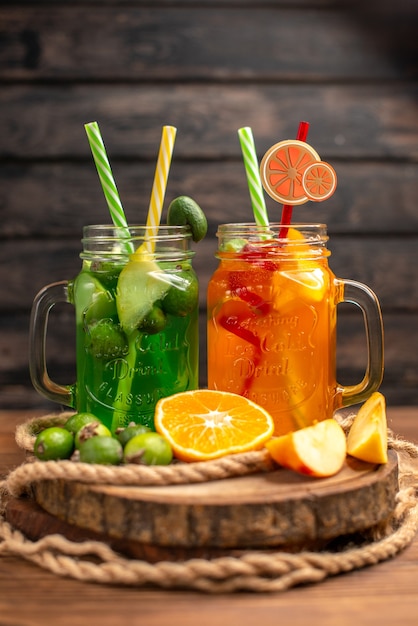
x=107 y=181
x=253 y=176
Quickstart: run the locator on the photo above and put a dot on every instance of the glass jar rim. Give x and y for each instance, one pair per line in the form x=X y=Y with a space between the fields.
x=107 y=241
x=136 y=230
x=248 y=238
x=273 y=228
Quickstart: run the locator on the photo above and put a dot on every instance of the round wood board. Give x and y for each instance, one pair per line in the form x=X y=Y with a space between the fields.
x=279 y=509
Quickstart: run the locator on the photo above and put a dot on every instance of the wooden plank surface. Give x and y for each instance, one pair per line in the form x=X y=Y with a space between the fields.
x=191 y=42
x=208 y=68
x=350 y=121
x=278 y=509
x=55 y=200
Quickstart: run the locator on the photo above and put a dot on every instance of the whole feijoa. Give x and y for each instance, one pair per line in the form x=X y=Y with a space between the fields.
x=130 y=431
x=54 y=443
x=92 y=429
x=183 y=296
x=78 y=420
x=102 y=450
x=148 y=449
x=184 y=210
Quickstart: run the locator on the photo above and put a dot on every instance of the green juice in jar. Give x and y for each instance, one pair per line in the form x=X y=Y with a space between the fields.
x=123 y=373
x=136 y=312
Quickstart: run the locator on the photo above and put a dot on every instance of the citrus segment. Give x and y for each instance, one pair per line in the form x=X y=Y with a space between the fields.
x=295 y=287
x=304 y=281
x=297 y=244
x=208 y=424
x=319 y=181
x=367 y=439
x=282 y=169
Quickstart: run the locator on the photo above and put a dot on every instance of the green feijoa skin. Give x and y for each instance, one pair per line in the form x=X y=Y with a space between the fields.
x=185 y=211
x=102 y=450
x=92 y=298
x=54 y=443
x=92 y=429
x=148 y=449
x=183 y=295
x=106 y=340
x=78 y=420
x=125 y=434
x=154 y=321
x=107 y=272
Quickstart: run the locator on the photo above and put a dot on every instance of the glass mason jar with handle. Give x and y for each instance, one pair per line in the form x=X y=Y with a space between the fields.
x=136 y=314
x=272 y=317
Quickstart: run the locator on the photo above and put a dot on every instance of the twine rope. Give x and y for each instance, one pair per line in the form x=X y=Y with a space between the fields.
x=20 y=479
x=253 y=570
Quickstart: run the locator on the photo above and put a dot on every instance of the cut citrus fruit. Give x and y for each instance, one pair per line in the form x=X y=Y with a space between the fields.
x=282 y=169
x=319 y=181
x=367 y=439
x=304 y=281
x=206 y=424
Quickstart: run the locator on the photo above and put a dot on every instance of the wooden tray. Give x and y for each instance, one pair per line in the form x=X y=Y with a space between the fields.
x=280 y=509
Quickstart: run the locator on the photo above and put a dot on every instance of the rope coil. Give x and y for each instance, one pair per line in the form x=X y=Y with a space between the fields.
x=22 y=477
x=253 y=570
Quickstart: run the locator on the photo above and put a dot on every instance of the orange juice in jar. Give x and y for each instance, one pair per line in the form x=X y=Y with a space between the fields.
x=272 y=314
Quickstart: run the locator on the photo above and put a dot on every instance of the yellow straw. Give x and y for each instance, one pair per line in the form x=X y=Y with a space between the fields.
x=160 y=181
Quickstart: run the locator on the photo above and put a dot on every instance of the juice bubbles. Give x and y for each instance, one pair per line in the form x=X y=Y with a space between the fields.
x=136 y=325
x=272 y=315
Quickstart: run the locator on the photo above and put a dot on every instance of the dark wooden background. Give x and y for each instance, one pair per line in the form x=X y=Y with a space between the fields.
x=207 y=67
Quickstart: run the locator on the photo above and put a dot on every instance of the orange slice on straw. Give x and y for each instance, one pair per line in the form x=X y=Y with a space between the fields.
x=207 y=424
x=282 y=169
x=319 y=181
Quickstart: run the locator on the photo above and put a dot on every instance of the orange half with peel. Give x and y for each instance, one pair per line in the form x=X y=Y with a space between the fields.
x=207 y=424
x=319 y=181
x=282 y=168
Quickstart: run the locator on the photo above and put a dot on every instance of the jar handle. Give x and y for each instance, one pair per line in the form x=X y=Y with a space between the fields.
x=362 y=296
x=42 y=304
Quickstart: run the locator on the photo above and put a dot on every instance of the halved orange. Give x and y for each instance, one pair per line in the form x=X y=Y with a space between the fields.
x=319 y=181
x=282 y=168
x=207 y=424
x=368 y=436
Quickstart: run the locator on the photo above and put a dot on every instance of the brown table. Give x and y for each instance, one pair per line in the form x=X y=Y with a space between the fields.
x=384 y=594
